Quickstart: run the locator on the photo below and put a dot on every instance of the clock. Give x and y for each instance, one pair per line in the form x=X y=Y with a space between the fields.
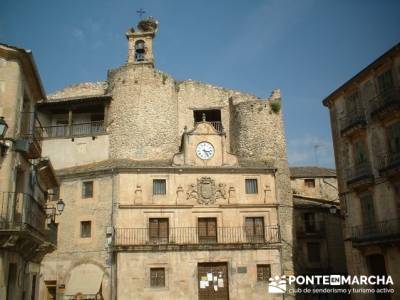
x=205 y=150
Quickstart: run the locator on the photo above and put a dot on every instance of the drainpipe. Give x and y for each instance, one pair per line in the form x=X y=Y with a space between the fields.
x=280 y=228
x=113 y=290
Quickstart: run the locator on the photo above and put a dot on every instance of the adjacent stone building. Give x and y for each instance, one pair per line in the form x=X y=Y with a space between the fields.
x=27 y=233
x=318 y=223
x=173 y=189
x=366 y=136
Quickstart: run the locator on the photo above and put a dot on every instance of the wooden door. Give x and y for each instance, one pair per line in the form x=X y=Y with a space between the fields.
x=218 y=287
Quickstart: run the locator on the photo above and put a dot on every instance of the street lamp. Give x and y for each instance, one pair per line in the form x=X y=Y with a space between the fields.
x=60 y=206
x=3 y=128
x=333 y=209
x=52 y=211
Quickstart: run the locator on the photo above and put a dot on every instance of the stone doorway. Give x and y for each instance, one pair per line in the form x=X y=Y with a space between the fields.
x=376 y=266
x=213 y=281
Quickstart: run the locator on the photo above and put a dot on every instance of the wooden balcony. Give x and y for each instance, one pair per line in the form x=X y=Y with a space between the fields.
x=191 y=238
x=386 y=103
x=23 y=226
x=32 y=133
x=382 y=232
x=317 y=231
x=93 y=128
x=359 y=175
x=352 y=123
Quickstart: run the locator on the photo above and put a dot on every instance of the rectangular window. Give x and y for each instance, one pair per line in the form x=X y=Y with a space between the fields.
x=352 y=103
x=207 y=230
x=86 y=229
x=87 y=189
x=393 y=134
x=255 y=229
x=159 y=187
x=309 y=222
x=251 y=186
x=213 y=116
x=158 y=230
x=263 y=273
x=157 y=277
x=368 y=212
x=51 y=287
x=313 y=250
x=310 y=183
x=385 y=81
x=360 y=152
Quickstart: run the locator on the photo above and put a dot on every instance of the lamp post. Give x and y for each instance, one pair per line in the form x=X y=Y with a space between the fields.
x=52 y=212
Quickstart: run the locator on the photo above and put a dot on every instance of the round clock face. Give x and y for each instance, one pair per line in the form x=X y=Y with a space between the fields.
x=205 y=150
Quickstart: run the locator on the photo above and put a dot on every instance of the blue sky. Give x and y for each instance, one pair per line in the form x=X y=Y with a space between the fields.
x=307 y=48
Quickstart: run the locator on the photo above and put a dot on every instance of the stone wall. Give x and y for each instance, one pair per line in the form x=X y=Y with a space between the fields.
x=80 y=89
x=143 y=114
x=73 y=250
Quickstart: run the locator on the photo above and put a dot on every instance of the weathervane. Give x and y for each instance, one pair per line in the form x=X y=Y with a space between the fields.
x=141 y=12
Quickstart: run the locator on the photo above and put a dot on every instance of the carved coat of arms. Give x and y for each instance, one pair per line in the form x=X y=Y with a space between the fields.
x=206 y=192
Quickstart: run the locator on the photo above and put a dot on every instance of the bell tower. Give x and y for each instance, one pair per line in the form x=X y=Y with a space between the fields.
x=140 y=42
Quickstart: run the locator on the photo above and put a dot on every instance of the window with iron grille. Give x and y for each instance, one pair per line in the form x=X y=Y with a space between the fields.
x=87 y=189
x=385 y=81
x=309 y=183
x=207 y=230
x=251 y=186
x=313 y=250
x=159 y=187
x=157 y=277
x=255 y=228
x=86 y=229
x=263 y=272
x=309 y=222
x=158 y=230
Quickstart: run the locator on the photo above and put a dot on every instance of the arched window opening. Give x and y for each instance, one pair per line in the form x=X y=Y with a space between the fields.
x=140 y=50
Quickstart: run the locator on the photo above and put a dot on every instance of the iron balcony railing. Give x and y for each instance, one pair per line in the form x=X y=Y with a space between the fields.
x=352 y=119
x=388 y=161
x=20 y=211
x=31 y=126
x=216 y=124
x=194 y=236
x=32 y=129
x=317 y=230
x=385 y=99
x=359 y=172
x=377 y=231
x=75 y=130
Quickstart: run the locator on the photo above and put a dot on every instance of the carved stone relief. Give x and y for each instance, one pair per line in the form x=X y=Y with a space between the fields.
x=206 y=192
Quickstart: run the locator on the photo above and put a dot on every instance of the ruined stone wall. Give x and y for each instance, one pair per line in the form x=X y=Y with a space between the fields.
x=193 y=95
x=257 y=132
x=80 y=89
x=143 y=114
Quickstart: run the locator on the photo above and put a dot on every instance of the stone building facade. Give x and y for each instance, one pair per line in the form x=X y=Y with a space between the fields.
x=365 y=129
x=26 y=232
x=317 y=220
x=173 y=189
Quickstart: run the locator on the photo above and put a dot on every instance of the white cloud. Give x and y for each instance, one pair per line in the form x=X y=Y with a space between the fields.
x=311 y=150
x=79 y=34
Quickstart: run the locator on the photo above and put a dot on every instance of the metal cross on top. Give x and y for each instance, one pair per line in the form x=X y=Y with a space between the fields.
x=141 y=12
